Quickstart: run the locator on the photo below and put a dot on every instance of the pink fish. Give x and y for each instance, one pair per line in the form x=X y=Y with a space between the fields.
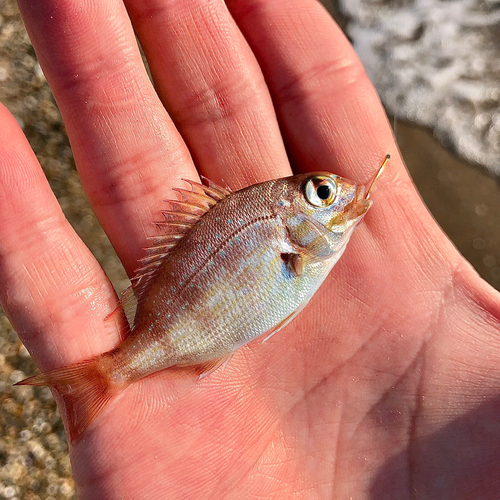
x=226 y=268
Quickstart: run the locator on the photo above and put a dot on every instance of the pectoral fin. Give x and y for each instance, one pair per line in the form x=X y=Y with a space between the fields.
x=295 y=262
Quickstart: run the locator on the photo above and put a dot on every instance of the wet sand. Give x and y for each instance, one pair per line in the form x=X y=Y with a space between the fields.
x=34 y=463
x=463 y=198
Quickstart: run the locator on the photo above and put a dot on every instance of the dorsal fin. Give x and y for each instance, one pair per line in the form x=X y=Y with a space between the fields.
x=215 y=189
x=179 y=220
x=200 y=200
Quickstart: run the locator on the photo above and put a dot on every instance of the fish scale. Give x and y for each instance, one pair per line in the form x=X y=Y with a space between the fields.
x=225 y=268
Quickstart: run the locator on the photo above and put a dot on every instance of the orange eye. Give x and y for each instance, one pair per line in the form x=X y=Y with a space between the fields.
x=320 y=191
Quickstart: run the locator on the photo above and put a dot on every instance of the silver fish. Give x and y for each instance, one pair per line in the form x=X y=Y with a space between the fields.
x=227 y=267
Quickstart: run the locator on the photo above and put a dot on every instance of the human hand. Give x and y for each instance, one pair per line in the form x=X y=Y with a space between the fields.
x=386 y=385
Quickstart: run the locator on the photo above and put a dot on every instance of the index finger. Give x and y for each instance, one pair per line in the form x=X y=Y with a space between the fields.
x=126 y=148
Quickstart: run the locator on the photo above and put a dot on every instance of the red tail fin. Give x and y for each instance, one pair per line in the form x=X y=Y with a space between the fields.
x=85 y=389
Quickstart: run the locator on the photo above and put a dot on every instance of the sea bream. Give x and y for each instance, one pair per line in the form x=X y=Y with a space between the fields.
x=225 y=268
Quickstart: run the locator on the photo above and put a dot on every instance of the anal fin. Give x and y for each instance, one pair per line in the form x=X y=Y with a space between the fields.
x=284 y=322
x=203 y=370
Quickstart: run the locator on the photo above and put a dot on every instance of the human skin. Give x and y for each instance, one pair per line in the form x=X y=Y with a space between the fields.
x=385 y=387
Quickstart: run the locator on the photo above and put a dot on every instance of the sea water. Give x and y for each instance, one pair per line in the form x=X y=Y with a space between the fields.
x=435 y=62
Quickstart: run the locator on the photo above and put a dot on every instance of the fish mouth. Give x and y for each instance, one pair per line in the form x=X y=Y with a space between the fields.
x=352 y=213
x=360 y=204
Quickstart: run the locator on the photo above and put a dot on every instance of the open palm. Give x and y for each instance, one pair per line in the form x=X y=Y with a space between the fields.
x=385 y=387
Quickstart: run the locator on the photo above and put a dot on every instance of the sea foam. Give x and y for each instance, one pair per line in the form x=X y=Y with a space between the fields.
x=436 y=63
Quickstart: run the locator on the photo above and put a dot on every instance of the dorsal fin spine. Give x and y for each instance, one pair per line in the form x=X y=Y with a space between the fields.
x=153 y=250
x=222 y=190
x=146 y=260
x=173 y=227
x=151 y=266
x=196 y=198
x=186 y=208
x=171 y=216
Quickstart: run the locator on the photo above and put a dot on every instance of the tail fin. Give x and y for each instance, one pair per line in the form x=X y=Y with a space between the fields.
x=85 y=390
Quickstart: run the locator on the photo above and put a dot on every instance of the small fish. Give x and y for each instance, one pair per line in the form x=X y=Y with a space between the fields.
x=227 y=267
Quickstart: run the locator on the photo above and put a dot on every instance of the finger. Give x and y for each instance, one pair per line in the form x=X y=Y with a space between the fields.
x=211 y=83
x=332 y=119
x=52 y=289
x=126 y=148
x=330 y=114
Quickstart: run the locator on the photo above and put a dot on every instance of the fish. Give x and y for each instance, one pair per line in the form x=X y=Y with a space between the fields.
x=225 y=268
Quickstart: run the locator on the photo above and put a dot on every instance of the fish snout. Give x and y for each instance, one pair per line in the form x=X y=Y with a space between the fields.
x=360 y=204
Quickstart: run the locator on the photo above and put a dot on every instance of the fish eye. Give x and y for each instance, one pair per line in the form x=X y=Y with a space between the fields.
x=320 y=191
